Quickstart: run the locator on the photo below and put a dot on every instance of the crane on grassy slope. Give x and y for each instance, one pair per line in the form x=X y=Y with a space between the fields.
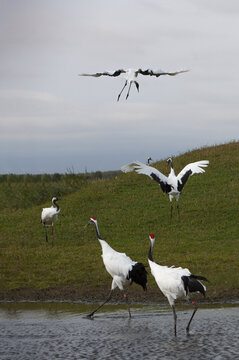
x=149 y=160
x=171 y=184
x=49 y=216
x=131 y=76
x=175 y=283
x=122 y=269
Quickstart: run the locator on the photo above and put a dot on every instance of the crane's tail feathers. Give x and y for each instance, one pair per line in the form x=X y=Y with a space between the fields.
x=192 y=284
x=198 y=277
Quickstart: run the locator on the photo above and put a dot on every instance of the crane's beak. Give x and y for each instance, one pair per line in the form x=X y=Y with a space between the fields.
x=87 y=224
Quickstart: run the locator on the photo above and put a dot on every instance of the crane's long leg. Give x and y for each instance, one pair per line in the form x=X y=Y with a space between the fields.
x=137 y=85
x=178 y=211
x=171 y=210
x=52 y=236
x=128 y=90
x=127 y=302
x=46 y=234
x=194 y=312
x=175 y=320
x=108 y=299
x=126 y=82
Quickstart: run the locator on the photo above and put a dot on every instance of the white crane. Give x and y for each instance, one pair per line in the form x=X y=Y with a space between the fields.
x=131 y=76
x=149 y=160
x=171 y=184
x=175 y=283
x=49 y=216
x=122 y=269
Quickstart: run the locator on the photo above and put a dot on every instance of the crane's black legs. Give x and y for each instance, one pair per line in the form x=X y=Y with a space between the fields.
x=175 y=320
x=171 y=210
x=126 y=82
x=52 y=236
x=128 y=90
x=137 y=87
x=46 y=234
x=108 y=299
x=194 y=312
x=127 y=302
x=178 y=211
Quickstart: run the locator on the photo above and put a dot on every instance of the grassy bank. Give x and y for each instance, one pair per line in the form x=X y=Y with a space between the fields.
x=128 y=207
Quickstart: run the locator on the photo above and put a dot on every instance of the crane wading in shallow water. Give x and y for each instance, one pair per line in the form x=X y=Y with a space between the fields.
x=122 y=269
x=131 y=76
x=171 y=184
x=175 y=283
x=49 y=216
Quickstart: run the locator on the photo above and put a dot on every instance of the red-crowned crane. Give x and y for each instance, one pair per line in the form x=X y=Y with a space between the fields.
x=171 y=184
x=149 y=160
x=131 y=76
x=122 y=269
x=175 y=283
x=49 y=216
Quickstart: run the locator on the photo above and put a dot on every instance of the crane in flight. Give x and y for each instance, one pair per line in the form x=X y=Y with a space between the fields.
x=131 y=76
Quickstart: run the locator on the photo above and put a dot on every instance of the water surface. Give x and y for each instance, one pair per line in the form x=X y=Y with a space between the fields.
x=62 y=331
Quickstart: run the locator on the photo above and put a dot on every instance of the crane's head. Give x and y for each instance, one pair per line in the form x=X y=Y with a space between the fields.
x=152 y=239
x=92 y=221
x=54 y=199
x=170 y=162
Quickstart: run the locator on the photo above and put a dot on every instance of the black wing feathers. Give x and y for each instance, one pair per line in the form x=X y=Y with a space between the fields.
x=184 y=179
x=138 y=274
x=191 y=284
x=164 y=186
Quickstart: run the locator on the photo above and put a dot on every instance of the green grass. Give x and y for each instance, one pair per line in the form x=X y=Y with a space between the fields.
x=128 y=207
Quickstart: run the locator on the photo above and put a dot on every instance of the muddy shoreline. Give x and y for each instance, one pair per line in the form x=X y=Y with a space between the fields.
x=70 y=294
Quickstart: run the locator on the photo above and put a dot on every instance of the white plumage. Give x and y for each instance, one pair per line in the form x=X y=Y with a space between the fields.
x=171 y=184
x=175 y=282
x=122 y=269
x=131 y=76
x=50 y=215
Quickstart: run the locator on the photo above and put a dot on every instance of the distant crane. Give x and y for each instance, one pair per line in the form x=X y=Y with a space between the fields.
x=131 y=76
x=49 y=216
x=175 y=283
x=149 y=160
x=171 y=184
x=122 y=269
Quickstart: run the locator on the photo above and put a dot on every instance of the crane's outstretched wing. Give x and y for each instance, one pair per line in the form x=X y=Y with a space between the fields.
x=158 y=73
x=153 y=173
x=107 y=73
x=189 y=170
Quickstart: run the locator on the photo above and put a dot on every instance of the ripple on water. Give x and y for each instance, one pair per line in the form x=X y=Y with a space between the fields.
x=111 y=335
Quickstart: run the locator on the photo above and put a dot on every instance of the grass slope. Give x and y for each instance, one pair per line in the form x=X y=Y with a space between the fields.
x=128 y=208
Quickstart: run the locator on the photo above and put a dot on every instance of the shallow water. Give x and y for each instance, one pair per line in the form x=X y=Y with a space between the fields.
x=62 y=331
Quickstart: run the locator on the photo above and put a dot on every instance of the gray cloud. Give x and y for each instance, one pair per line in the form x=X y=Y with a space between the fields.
x=52 y=119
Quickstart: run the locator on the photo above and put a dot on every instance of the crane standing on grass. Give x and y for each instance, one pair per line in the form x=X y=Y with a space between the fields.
x=131 y=76
x=122 y=269
x=175 y=283
x=171 y=184
x=49 y=216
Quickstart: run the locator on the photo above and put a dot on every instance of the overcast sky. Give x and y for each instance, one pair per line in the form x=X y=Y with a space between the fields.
x=51 y=119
